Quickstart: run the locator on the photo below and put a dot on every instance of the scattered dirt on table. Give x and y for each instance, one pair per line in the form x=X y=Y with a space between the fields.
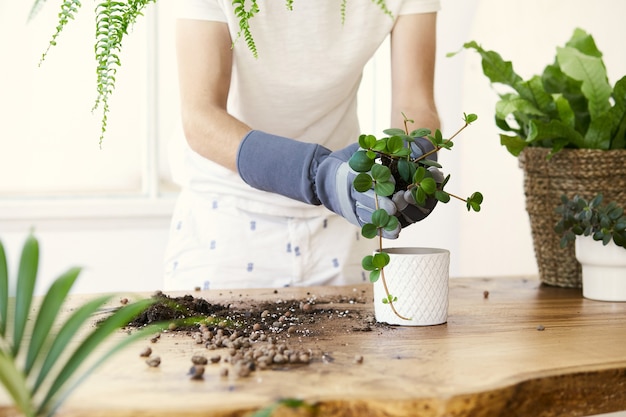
x=249 y=335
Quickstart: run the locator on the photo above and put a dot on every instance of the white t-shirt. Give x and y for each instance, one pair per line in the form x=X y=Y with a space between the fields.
x=303 y=84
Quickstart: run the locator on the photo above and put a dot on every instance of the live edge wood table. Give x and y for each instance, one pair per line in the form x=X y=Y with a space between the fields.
x=511 y=347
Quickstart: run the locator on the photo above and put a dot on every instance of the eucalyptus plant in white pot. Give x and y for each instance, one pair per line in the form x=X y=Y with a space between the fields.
x=598 y=231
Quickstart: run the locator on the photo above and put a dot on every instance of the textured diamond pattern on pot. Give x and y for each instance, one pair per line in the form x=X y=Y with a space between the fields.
x=420 y=281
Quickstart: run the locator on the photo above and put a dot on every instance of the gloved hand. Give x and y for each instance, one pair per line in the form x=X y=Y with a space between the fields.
x=409 y=211
x=309 y=173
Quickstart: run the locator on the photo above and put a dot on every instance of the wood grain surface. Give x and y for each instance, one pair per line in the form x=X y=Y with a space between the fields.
x=523 y=349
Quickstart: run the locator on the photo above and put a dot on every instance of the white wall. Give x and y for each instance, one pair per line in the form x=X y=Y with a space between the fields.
x=120 y=241
x=527 y=33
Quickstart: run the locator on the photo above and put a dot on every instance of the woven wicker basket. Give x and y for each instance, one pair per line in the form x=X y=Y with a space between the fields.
x=585 y=172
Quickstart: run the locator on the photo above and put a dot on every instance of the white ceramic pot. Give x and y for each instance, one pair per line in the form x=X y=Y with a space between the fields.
x=603 y=269
x=418 y=277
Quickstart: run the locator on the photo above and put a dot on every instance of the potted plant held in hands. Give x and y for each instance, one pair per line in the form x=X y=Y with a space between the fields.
x=599 y=233
x=568 y=128
x=410 y=284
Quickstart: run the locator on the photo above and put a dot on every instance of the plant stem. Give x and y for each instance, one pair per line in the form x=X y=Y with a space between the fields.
x=445 y=141
x=382 y=270
x=393 y=308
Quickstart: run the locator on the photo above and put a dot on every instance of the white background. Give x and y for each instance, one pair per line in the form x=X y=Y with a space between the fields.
x=108 y=208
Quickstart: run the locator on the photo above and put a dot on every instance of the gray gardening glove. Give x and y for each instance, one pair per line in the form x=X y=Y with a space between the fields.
x=309 y=173
x=409 y=211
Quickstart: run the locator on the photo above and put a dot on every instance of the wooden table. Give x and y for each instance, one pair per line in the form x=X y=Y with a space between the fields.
x=522 y=350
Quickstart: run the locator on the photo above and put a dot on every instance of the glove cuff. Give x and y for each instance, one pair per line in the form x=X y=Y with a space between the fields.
x=280 y=165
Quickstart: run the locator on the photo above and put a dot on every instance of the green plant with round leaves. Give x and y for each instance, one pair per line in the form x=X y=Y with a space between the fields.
x=385 y=165
x=39 y=371
x=581 y=217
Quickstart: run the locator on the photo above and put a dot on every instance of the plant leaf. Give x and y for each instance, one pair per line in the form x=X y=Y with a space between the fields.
x=369 y=231
x=360 y=161
x=112 y=323
x=384 y=188
x=48 y=311
x=4 y=291
x=65 y=335
x=26 y=278
x=127 y=340
x=14 y=383
x=590 y=70
x=362 y=182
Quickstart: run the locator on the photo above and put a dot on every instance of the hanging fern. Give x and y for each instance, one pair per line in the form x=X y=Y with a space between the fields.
x=115 y=18
x=69 y=8
x=244 y=17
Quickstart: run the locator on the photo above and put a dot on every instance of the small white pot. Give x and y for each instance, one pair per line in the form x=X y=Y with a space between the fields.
x=418 y=277
x=603 y=269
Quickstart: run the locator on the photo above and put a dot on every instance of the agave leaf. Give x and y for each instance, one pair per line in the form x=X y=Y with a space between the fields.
x=4 y=291
x=15 y=384
x=48 y=311
x=65 y=336
x=112 y=323
x=26 y=277
x=56 y=401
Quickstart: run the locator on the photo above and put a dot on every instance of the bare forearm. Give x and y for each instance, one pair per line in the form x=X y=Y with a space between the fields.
x=215 y=136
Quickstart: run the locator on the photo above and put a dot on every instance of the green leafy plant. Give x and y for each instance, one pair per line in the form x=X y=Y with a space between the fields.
x=571 y=104
x=579 y=217
x=115 y=19
x=385 y=164
x=39 y=362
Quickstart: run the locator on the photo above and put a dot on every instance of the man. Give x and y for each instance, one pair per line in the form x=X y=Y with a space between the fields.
x=266 y=198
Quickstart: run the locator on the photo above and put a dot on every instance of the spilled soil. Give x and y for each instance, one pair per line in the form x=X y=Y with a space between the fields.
x=248 y=335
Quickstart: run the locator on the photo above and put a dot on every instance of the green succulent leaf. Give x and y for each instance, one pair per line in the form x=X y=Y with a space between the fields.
x=442 y=196
x=381 y=260
x=369 y=231
x=360 y=161
x=395 y=144
x=428 y=185
x=406 y=169
x=392 y=223
x=362 y=182
x=380 y=173
x=374 y=275
x=368 y=263
x=380 y=218
x=367 y=141
x=394 y=132
x=470 y=118
x=384 y=189
x=420 y=133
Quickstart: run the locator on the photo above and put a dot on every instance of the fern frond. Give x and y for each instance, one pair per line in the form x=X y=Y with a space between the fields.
x=69 y=8
x=113 y=21
x=244 y=17
x=344 y=5
x=383 y=6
